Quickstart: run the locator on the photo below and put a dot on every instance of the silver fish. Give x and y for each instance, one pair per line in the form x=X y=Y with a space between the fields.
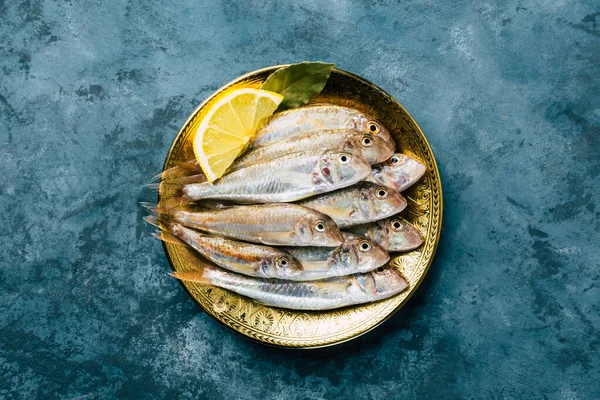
x=288 y=178
x=372 y=148
x=244 y=258
x=399 y=172
x=271 y=224
x=317 y=117
x=393 y=234
x=356 y=255
x=359 y=204
x=313 y=295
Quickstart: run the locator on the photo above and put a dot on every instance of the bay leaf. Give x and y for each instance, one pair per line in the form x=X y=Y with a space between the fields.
x=298 y=83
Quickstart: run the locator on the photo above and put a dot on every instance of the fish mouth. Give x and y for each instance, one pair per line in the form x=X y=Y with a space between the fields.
x=400 y=202
x=336 y=239
x=408 y=240
x=417 y=171
x=386 y=152
x=414 y=168
x=387 y=136
x=415 y=240
x=383 y=258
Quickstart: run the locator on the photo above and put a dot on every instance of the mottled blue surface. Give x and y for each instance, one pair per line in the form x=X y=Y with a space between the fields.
x=93 y=93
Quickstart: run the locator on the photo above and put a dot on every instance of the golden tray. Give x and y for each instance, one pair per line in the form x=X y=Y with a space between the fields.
x=299 y=329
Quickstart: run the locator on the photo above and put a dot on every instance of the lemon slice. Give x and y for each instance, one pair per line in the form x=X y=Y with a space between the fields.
x=229 y=125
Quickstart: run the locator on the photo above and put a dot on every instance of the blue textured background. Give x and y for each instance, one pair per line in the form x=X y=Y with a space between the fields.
x=92 y=94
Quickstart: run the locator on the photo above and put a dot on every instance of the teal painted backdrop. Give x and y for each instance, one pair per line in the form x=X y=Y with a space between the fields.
x=92 y=94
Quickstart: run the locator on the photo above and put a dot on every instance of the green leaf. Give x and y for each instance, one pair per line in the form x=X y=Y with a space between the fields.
x=298 y=83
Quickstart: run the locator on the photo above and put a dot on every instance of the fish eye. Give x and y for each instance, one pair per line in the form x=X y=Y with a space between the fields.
x=367 y=141
x=365 y=246
x=283 y=262
x=320 y=226
x=396 y=225
x=373 y=126
x=382 y=193
x=343 y=159
x=395 y=159
x=380 y=269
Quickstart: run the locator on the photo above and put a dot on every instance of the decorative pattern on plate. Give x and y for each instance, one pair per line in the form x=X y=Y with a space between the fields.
x=317 y=329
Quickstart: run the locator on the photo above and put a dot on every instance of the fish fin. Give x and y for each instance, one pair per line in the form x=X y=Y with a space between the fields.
x=315 y=266
x=190 y=166
x=176 y=203
x=184 y=180
x=164 y=223
x=210 y=204
x=219 y=205
x=179 y=170
x=271 y=238
x=152 y=220
x=177 y=181
x=168 y=237
x=151 y=207
x=177 y=186
x=161 y=213
x=200 y=277
x=162 y=233
x=291 y=176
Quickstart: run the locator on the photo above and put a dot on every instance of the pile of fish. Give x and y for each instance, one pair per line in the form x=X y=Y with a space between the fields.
x=305 y=218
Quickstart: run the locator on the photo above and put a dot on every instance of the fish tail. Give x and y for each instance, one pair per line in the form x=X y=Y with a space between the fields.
x=168 y=237
x=174 y=185
x=151 y=207
x=184 y=180
x=178 y=182
x=170 y=214
x=159 y=214
x=177 y=177
x=202 y=276
x=167 y=226
x=152 y=186
x=190 y=166
x=152 y=220
x=181 y=169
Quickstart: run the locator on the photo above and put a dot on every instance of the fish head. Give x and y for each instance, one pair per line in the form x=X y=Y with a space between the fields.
x=373 y=148
x=337 y=167
x=400 y=235
x=385 y=280
x=318 y=230
x=404 y=170
x=282 y=267
x=365 y=253
x=382 y=200
x=374 y=127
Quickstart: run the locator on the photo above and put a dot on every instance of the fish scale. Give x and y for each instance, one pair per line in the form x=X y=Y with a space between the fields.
x=244 y=258
x=304 y=120
x=313 y=295
x=284 y=179
x=359 y=204
x=372 y=148
x=356 y=254
x=393 y=234
x=273 y=224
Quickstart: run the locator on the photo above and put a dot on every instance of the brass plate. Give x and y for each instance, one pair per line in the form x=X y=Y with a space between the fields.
x=287 y=328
